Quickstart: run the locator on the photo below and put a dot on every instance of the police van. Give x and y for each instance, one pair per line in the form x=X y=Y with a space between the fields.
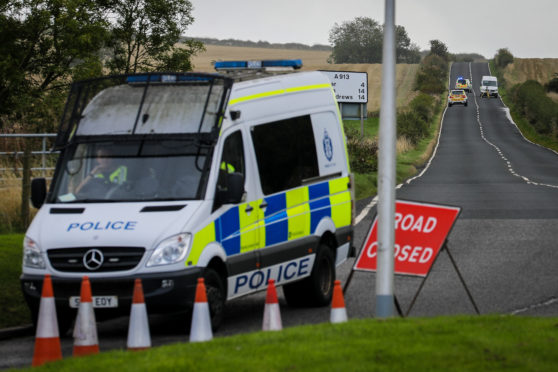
x=489 y=86
x=238 y=177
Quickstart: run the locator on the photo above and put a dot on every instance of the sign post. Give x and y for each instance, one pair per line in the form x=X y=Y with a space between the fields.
x=351 y=91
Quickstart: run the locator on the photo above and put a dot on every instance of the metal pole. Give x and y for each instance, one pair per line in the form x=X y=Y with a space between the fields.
x=362 y=120
x=43 y=157
x=386 y=171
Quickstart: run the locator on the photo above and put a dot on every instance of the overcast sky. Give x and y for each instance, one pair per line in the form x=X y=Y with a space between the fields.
x=528 y=28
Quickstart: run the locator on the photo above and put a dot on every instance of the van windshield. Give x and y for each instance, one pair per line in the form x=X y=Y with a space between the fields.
x=489 y=83
x=136 y=170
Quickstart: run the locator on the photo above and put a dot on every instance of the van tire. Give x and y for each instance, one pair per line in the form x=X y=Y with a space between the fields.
x=215 y=290
x=317 y=289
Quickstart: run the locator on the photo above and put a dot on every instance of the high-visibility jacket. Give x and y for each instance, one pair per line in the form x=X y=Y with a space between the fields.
x=118 y=176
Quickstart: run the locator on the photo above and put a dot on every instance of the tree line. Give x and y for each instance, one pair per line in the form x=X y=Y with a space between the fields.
x=46 y=44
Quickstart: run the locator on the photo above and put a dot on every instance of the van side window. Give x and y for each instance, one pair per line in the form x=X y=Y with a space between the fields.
x=232 y=159
x=285 y=153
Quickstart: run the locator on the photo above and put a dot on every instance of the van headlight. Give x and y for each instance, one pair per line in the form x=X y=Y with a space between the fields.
x=32 y=256
x=170 y=250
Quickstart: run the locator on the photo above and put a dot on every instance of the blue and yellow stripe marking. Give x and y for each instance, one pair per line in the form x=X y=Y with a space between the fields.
x=290 y=215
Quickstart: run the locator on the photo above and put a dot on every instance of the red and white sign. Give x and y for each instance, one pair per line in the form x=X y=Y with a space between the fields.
x=420 y=232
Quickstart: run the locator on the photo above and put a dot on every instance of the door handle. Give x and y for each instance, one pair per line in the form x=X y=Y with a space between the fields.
x=263 y=205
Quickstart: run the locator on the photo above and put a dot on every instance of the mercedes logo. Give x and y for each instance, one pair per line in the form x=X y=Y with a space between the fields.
x=93 y=259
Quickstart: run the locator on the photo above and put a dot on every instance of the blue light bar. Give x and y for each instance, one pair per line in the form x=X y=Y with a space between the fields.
x=258 y=64
x=460 y=78
x=164 y=78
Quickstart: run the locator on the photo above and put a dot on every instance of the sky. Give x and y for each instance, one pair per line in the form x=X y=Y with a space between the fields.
x=528 y=28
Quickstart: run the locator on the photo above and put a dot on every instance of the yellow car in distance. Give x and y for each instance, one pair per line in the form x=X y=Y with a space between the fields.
x=463 y=83
x=457 y=96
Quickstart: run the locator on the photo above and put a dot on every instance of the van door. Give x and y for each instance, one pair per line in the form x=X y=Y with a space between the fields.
x=286 y=160
x=238 y=228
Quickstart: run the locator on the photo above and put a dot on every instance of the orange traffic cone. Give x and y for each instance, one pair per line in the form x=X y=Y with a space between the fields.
x=85 y=329
x=47 y=339
x=338 y=311
x=272 y=315
x=138 y=329
x=201 y=321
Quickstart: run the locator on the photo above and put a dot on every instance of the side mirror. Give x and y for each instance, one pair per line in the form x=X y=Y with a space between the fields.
x=236 y=187
x=38 y=192
x=232 y=191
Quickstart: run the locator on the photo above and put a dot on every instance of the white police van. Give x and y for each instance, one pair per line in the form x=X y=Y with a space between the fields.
x=236 y=177
x=489 y=86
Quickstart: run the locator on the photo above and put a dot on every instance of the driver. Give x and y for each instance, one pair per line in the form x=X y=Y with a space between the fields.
x=105 y=171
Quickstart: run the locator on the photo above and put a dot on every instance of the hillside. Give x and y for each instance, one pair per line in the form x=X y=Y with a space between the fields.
x=539 y=69
x=315 y=60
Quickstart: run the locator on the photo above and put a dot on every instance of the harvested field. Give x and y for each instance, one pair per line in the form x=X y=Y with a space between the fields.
x=523 y=69
x=316 y=60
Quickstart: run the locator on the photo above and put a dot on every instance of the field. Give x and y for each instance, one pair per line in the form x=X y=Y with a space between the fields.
x=316 y=60
x=539 y=69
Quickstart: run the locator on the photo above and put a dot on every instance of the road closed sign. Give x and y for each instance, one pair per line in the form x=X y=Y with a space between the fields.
x=420 y=232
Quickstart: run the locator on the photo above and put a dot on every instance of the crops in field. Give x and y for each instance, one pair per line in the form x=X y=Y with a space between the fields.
x=523 y=69
x=316 y=60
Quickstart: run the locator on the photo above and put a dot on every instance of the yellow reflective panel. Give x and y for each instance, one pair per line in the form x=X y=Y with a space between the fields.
x=251 y=223
x=341 y=209
x=298 y=213
x=338 y=185
x=201 y=239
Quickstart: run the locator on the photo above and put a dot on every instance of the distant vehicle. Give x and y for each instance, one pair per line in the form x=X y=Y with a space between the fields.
x=469 y=85
x=457 y=96
x=463 y=83
x=489 y=86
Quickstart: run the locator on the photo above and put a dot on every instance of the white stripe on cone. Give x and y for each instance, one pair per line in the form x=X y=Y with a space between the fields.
x=138 y=330
x=201 y=323
x=47 y=324
x=338 y=315
x=85 y=330
x=272 y=318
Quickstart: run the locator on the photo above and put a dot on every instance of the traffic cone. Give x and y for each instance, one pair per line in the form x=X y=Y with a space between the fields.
x=47 y=339
x=138 y=329
x=85 y=329
x=201 y=321
x=338 y=311
x=272 y=315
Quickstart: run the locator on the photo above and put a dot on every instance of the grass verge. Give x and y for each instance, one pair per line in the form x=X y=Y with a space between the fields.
x=12 y=306
x=462 y=343
x=409 y=160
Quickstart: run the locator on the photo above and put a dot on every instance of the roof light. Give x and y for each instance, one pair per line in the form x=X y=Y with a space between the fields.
x=164 y=78
x=259 y=64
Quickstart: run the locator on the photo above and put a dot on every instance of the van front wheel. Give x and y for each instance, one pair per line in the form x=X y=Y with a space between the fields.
x=215 y=296
x=317 y=289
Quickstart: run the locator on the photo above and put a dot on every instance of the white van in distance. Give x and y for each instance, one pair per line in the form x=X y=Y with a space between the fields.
x=237 y=177
x=489 y=86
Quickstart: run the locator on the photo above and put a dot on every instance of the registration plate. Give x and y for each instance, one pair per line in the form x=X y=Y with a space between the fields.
x=98 y=301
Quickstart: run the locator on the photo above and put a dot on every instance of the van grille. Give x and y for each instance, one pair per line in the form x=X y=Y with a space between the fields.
x=99 y=259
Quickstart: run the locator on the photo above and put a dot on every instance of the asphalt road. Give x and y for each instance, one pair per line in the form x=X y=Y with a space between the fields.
x=504 y=241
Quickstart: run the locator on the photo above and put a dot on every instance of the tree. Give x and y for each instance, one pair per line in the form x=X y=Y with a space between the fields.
x=440 y=49
x=145 y=34
x=361 y=41
x=45 y=43
x=405 y=51
x=503 y=57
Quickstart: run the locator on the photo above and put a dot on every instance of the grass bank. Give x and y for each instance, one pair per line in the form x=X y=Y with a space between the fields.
x=483 y=343
x=12 y=306
x=523 y=124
